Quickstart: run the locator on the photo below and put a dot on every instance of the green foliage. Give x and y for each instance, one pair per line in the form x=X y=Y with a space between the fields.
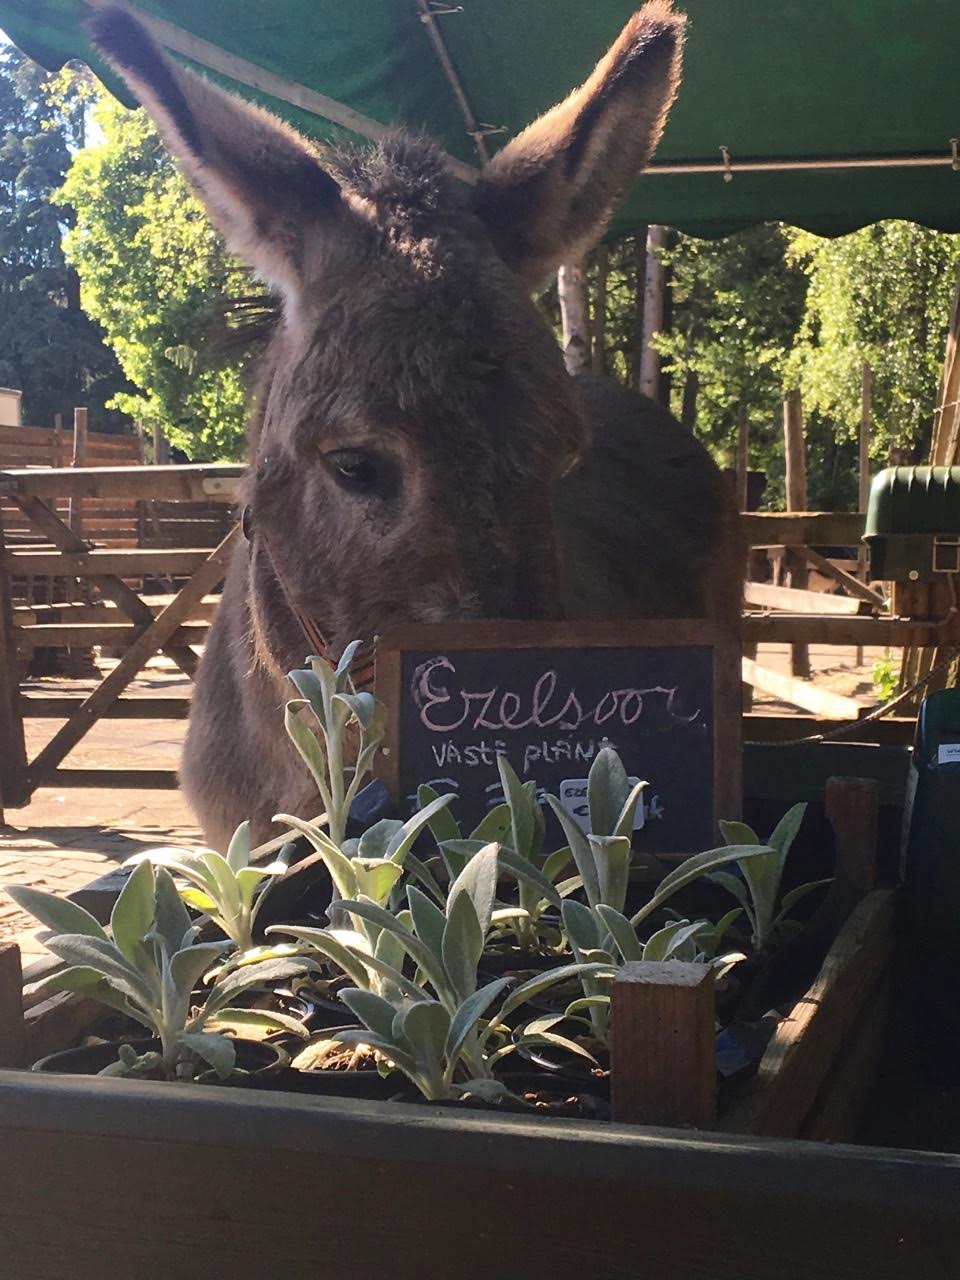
x=886 y=676
x=880 y=295
x=49 y=349
x=147 y=968
x=154 y=273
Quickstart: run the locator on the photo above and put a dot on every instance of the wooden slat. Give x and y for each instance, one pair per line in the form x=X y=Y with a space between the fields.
x=801 y=693
x=795 y=600
x=884 y=632
x=11 y=1006
x=890 y=731
x=196 y=483
x=158 y=634
x=798 y=528
x=123 y=563
x=119 y=779
x=831 y=569
x=81 y=635
x=48 y=706
x=805 y=1045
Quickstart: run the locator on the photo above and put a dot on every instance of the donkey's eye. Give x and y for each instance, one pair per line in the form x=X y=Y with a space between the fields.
x=360 y=471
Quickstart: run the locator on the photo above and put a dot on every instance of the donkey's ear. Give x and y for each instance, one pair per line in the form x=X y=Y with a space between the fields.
x=547 y=196
x=261 y=182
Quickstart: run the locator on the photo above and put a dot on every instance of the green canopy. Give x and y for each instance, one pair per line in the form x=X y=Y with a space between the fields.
x=868 y=88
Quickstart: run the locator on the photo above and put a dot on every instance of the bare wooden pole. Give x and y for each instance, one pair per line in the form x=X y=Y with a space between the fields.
x=743 y=451
x=13 y=750
x=663 y=1044
x=599 y=325
x=653 y=307
x=863 y=494
x=639 y=294
x=79 y=460
x=796 y=486
x=574 y=317
x=11 y=1006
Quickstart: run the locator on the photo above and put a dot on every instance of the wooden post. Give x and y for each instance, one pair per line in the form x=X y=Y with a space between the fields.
x=79 y=460
x=863 y=495
x=743 y=452
x=58 y=445
x=159 y=446
x=796 y=486
x=574 y=317
x=599 y=324
x=653 y=300
x=13 y=749
x=852 y=806
x=663 y=1044
x=11 y=1006
x=639 y=292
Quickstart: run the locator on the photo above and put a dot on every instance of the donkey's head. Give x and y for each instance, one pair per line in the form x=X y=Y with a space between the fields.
x=415 y=411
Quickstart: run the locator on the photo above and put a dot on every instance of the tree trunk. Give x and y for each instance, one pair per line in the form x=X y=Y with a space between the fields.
x=639 y=291
x=688 y=404
x=653 y=307
x=574 y=317
x=743 y=452
x=599 y=328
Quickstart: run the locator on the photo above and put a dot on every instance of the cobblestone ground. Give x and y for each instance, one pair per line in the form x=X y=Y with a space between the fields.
x=66 y=838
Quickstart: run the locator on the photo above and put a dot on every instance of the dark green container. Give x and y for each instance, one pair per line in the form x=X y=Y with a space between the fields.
x=913 y=524
x=931 y=876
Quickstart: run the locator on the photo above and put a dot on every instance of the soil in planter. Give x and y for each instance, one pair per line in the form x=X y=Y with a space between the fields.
x=258 y=1065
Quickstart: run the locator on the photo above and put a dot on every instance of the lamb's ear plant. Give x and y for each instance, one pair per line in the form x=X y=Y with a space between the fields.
x=519 y=828
x=228 y=889
x=438 y=1026
x=757 y=887
x=147 y=967
x=329 y=695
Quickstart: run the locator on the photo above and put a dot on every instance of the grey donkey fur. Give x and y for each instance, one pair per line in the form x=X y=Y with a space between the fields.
x=418 y=452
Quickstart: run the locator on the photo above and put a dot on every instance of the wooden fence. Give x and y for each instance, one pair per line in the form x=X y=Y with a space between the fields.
x=115 y=611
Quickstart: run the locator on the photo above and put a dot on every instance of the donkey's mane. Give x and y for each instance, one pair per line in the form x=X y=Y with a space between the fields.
x=402 y=175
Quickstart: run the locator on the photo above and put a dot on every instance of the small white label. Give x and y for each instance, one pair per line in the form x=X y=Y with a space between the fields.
x=948 y=753
x=573 y=797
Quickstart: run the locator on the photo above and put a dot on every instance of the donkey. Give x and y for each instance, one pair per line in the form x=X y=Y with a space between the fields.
x=418 y=452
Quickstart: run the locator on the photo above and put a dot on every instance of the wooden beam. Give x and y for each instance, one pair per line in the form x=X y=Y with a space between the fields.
x=164 y=626
x=663 y=1044
x=218 y=482
x=795 y=600
x=45 y=706
x=803 y=528
x=853 y=586
x=852 y=804
x=895 y=731
x=78 y=635
x=79 y=460
x=114 y=779
x=13 y=750
x=11 y=1006
x=800 y=693
x=783 y=628
x=123 y=562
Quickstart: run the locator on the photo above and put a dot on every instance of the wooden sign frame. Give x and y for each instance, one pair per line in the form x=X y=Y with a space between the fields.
x=640 y=634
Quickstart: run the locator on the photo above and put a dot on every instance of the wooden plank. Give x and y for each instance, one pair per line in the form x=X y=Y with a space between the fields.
x=11 y=1006
x=45 y=706
x=891 y=730
x=122 y=563
x=663 y=1044
x=73 y=635
x=446 y=1179
x=795 y=600
x=79 y=460
x=782 y=628
x=159 y=633
x=806 y=1043
x=830 y=569
x=195 y=483
x=113 y=779
x=851 y=806
x=803 y=528
x=800 y=693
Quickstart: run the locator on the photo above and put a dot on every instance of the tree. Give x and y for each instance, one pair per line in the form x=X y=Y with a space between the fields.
x=157 y=277
x=49 y=348
x=880 y=295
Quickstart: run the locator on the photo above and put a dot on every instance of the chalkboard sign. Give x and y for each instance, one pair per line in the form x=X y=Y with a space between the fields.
x=665 y=694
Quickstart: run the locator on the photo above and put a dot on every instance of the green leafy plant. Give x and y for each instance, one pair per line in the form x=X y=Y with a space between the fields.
x=437 y=1026
x=886 y=676
x=519 y=828
x=336 y=707
x=148 y=967
x=228 y=889
x=757 y=887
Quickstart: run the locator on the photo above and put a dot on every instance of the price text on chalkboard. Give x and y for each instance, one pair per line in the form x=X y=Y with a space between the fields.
x=549 y=696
